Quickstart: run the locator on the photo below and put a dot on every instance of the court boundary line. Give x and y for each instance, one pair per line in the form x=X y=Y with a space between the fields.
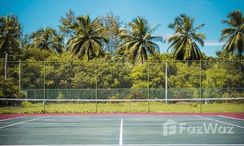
x=7 y=119
x=228 y=117
x=121 y=133
x=134 y=145
x=210 y=119
x=18 y=123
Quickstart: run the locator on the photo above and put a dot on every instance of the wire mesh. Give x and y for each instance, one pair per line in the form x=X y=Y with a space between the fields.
x=122 y=82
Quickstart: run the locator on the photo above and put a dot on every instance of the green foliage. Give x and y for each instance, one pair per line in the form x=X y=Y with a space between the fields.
x=184 y=75
x=233 y=35
x=87 y=43
x=27 y=104
x=222 y=75
x=98 y=39
x=111 y=31
x=32 y=74
x=47 y=39
x=35 y=54
x=10 y=31
x=60 y=95
x=60 y=70
x=126 y=107
x=113 y=75
x=66 y=22
x=148 y=75
x=139 y=75
x=138 y=41
x=184 y=42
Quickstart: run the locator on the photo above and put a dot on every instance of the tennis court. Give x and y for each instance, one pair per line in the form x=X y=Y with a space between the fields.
x=122 y=129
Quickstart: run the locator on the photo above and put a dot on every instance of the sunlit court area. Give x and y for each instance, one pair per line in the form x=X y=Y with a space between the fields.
x=124 y=72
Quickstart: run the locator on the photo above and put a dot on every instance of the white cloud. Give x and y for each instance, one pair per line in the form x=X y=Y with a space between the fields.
x=213 y=43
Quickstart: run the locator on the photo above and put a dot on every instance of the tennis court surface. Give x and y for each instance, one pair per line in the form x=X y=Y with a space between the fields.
x=122 y=129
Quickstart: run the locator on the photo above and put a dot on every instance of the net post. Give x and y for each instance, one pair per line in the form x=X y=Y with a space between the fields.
x=166 y=82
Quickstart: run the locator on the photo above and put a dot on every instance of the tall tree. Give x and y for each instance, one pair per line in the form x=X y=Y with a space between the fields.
x=66 y=23
x=47 y=39
x=138 y=41
x=10 y=31
x=88 y=38
x=234 y=34
x=111 y=25
x=184 y=42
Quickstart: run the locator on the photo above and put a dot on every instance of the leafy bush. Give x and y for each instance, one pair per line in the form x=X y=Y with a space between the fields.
x=26 y=104
x=60 y=95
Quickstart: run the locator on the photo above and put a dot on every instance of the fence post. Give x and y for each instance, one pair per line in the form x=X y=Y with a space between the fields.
x=148 y=89
x=201 y=86
x=19 y=76
x=96 y=88
x=5 y=74
x=5 y=67
x=44 y=86
x=166 y=82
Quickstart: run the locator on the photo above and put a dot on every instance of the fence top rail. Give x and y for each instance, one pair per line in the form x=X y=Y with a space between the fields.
x=125 y=88
x=82 y=61
x=121 y=100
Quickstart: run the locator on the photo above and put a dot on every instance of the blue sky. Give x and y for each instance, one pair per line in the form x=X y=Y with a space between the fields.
x=34 y=14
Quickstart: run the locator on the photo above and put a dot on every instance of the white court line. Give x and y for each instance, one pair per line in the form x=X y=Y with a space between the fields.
x=185 y=144
x=18 y=123
x=12 y=118
x=231 y=117
x=219 y=121
x=121 y=133
x=136 y=145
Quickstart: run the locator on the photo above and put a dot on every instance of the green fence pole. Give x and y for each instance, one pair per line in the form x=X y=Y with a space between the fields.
x=5 y=66
x=96 y=89
x=200 y=86
x=19 y=77
x=44 y=87
x=148 y=89
x=166 y=82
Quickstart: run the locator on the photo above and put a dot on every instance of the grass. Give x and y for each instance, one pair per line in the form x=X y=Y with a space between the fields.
x=127 y=107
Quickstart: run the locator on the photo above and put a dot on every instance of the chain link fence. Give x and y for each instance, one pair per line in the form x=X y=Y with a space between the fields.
x=94 y=80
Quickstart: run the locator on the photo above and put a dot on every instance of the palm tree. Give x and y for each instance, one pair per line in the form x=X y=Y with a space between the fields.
x=47 y=39
x=184 y=42
x=10 y=32
x=88 y=39
x=234 y=34
x=138 y=41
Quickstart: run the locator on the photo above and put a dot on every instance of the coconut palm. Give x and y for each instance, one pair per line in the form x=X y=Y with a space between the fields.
x=47 y=39
x=10 y=32
x=138 y=41
x=185 y=40
x=88 y=38
x=234 y=34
